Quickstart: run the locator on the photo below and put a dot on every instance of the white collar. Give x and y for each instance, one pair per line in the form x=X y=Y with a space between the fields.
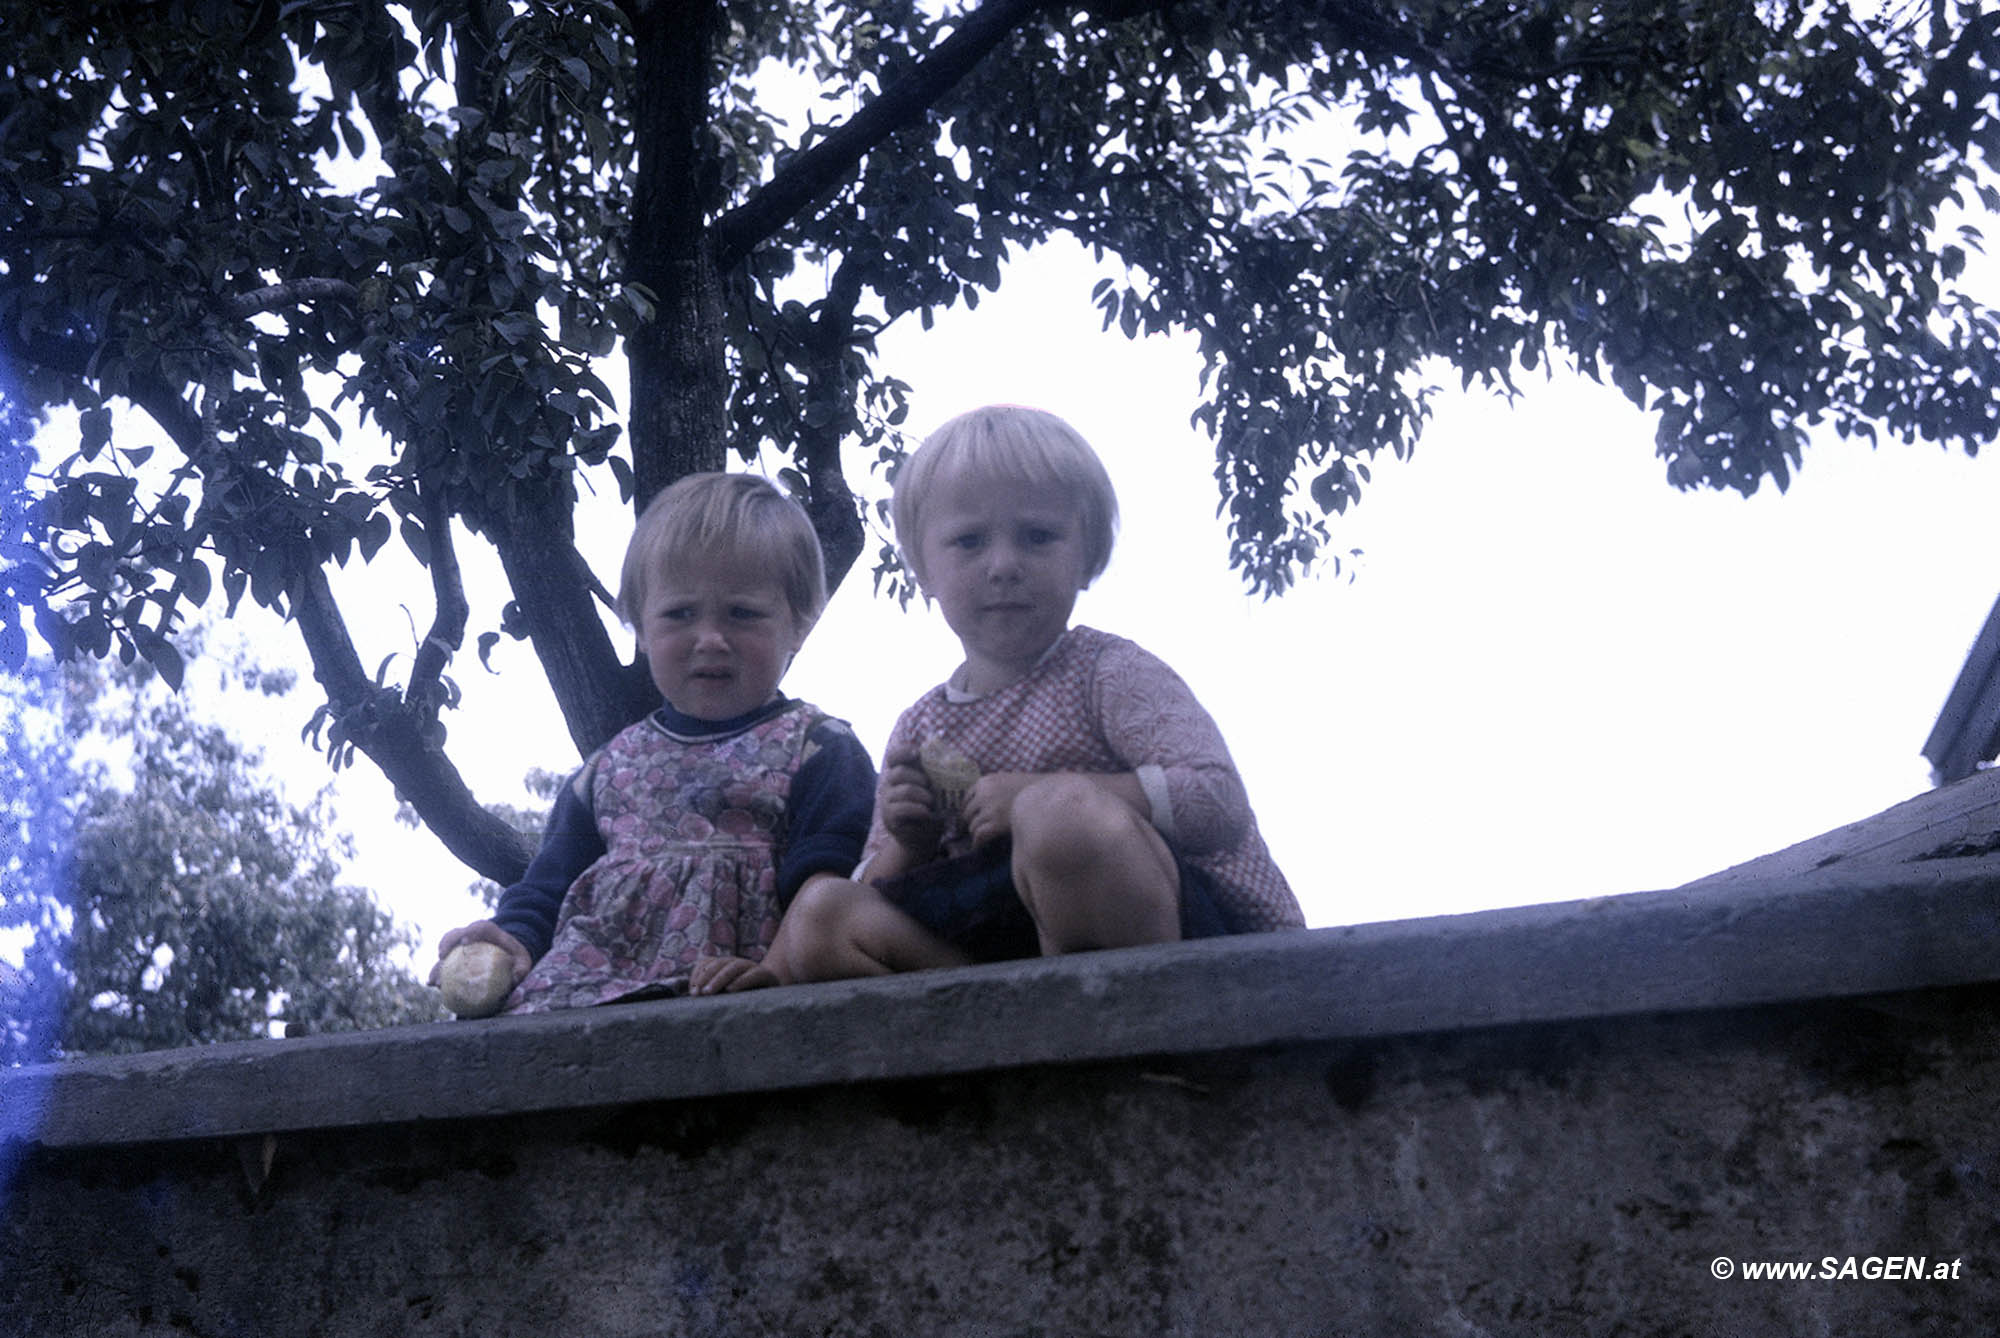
x=958 y=696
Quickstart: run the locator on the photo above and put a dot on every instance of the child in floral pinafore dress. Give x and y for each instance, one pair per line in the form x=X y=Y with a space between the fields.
x=672 y=853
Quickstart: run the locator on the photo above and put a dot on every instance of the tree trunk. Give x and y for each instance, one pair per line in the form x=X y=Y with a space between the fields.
x=598 y=692
x=679 y=393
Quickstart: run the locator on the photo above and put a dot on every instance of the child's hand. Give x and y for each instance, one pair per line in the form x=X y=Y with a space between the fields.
x=989 y=804
x=483 y=931
x=728 y=975
x=909 y=809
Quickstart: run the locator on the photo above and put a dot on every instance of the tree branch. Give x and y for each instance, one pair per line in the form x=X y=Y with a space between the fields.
x=72 y=356
x=335 y=663
x=390 y=733
x=387 y=729
x=818 y=169
x=829 y=401
x=596 y=691
x=291 y=293
x=447 y=632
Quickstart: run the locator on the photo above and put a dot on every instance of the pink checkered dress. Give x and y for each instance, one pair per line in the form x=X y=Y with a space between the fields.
x=1100 y=703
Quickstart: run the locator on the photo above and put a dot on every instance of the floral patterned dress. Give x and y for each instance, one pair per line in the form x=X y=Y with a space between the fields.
x=692 y=831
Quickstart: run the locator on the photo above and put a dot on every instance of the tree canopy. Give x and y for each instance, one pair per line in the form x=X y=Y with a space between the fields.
x=172 y=896
x=250 y=219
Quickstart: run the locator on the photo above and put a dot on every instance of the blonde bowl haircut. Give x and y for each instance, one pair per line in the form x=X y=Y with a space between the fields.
x=1015 y=444
x=738 y=518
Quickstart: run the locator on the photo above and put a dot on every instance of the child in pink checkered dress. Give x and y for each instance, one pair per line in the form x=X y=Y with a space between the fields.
x=1094 y=803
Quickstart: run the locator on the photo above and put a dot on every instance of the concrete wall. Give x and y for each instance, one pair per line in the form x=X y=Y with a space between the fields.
x=1550 y=1120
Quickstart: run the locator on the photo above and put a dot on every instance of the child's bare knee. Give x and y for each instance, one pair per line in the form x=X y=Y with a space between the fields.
x=1066 y=820
x=1064 y=805
x=815 y=922
x=819 y=901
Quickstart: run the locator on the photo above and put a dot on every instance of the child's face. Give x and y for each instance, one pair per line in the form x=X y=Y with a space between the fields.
x=717 y=638
x=1004 y=560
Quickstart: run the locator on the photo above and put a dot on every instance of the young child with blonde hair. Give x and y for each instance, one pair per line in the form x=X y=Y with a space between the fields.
x=1063 y=790
x=673 y=851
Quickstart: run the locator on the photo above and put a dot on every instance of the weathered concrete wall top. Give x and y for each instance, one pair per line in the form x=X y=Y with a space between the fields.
x=1836 y=934
x=1549 y=1120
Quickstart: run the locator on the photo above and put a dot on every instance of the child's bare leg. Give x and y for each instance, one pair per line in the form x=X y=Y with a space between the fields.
x=1094 y=873
x=836 y=929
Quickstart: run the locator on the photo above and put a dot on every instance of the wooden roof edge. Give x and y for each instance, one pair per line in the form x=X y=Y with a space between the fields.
x=1967 y=731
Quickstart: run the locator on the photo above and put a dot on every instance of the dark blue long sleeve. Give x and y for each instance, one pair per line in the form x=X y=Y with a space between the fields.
x=826 y=816
x=570 y=844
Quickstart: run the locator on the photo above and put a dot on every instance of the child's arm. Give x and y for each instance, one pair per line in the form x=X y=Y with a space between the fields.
x=526 y=917
x=906 y=810
x=906 y=830
x=1192 y=791
x=827 y=810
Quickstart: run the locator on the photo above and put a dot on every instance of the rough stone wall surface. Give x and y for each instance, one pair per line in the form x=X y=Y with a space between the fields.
x=1546 y=1179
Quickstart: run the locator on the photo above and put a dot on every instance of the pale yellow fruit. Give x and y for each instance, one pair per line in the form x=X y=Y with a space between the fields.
x=476 y=979
x=950 y=772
